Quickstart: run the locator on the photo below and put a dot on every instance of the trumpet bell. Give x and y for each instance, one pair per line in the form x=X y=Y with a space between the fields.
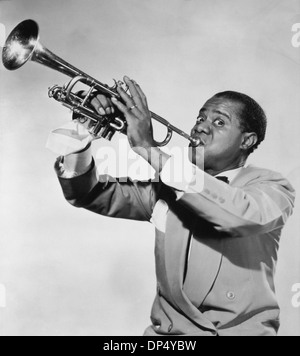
x=20 y=45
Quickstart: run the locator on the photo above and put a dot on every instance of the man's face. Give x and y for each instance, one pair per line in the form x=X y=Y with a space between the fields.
x=218 y=127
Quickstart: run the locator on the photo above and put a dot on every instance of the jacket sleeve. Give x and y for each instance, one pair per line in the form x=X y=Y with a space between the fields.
x=261 y=206
x=118 y=198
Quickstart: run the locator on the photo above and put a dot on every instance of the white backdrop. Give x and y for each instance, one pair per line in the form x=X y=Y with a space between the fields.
x=70 y=272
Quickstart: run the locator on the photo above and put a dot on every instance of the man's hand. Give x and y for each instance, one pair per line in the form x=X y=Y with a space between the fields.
x=138 y=117
x=137 y=114
x=103 y=105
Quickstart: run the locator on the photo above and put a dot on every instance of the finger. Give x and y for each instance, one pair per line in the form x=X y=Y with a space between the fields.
x=141 y=93
x=102 y=105
x=134 y=92
x=123 y=108
x=105 y=103
x=97 y=106
x=125 y=97
x=82 y=93
x=128 y=112
x=130 y=105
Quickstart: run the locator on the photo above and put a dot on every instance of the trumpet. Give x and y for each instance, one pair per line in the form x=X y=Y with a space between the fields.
x=23 y=45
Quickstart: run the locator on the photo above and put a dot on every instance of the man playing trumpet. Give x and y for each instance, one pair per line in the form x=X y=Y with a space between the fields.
x=217 y=232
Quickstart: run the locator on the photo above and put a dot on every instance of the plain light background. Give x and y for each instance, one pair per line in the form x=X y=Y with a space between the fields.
x=70 y=272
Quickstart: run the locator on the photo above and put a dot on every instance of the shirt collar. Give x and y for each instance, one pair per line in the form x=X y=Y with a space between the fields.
x=231 y=175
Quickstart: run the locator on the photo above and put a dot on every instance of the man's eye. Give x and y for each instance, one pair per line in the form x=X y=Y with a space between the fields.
x=200 y=119
x=219 y=123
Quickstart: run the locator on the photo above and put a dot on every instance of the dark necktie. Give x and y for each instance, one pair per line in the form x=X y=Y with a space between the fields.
x=223 y=179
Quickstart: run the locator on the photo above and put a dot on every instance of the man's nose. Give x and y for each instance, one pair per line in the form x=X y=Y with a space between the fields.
x=203 y=126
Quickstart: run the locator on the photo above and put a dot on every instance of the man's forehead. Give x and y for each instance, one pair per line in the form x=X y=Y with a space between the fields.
x=223 y=104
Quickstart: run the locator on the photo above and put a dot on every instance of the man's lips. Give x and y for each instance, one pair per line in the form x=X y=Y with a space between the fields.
x=201 y=141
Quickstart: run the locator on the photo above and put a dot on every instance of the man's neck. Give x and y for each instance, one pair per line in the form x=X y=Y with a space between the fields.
x=215 y=172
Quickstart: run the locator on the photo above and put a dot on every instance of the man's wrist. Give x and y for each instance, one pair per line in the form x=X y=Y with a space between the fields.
x=76 y=164
x=84 y=149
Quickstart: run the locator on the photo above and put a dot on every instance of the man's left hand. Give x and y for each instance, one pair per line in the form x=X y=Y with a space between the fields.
x=137 y=114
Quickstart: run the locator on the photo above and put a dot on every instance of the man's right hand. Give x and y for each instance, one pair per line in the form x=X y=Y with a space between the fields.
x=102 y=105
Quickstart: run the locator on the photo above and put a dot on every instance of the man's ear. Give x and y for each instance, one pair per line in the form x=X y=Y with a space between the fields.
x=249 y=140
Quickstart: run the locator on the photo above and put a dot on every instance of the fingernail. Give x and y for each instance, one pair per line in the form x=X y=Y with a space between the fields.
x=108 y=111
x=101 y=111
x=114 y=99
x=112 y=109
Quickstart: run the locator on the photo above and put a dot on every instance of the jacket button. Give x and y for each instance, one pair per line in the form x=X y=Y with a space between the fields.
x=206 y=191
x=222 y=200
x=156 y=323
x=157 y=326
x=230 y=295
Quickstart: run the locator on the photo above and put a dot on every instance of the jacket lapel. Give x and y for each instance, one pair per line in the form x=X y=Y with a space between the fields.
x=207 y=252
x=176 y=251
x=205 y=259
x=203 y=267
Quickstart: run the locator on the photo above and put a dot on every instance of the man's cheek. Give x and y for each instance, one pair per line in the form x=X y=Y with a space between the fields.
x=216 y=149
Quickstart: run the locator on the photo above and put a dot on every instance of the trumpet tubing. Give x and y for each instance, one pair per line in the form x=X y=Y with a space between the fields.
x=23 y=45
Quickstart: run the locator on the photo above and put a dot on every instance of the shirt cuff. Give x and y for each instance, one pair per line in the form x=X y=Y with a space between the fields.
x=180 y=174
x=68 y=139
x=75 y=164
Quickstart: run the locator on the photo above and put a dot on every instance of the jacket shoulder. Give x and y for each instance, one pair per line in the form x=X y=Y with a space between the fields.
x=251 y=175
x=255 y=172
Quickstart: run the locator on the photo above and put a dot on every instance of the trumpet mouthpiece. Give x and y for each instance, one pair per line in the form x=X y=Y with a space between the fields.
x=195 y=142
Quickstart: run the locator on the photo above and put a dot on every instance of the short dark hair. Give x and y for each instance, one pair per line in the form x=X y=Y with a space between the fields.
x=252 y=118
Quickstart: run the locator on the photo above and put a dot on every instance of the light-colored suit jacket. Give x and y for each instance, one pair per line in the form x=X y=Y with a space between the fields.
x=215 y=262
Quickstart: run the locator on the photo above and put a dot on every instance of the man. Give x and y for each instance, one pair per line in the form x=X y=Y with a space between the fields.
x=217 y=232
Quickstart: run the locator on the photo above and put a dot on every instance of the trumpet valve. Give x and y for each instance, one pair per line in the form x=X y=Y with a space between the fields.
x=54 y=92
x=110 y=135
x=97 y=129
